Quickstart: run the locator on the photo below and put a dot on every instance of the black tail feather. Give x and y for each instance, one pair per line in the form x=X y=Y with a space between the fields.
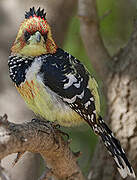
x=114 y=148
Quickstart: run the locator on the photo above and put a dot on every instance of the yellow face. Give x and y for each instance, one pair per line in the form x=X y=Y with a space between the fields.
x=34 y=38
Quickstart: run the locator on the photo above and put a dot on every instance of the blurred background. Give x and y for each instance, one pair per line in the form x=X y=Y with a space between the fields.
x=116 y=20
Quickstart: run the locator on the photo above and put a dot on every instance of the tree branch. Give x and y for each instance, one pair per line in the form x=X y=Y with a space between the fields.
x=121 y=112
x=59 y=14
x=90 y=34
x=44 y=138
x=120 y=89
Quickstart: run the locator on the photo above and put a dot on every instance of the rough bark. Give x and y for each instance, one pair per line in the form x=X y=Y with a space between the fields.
x=44 y=138
x=120 y=84
x=122 y=90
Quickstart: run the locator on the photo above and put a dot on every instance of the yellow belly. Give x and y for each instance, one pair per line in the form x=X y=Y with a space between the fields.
x=45 y=104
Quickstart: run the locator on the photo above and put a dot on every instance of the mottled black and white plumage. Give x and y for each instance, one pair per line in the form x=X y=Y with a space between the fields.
x=17 y=68
x=66 y=77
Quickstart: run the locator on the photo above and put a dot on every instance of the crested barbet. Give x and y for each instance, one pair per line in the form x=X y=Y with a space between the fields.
x=56 y=85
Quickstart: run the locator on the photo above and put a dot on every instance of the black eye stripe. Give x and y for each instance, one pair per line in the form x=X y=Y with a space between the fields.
x=45 y=36
x=26 y=35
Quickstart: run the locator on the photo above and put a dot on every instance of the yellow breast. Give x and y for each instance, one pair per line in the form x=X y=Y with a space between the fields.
x=46 y=104
x=28 y=91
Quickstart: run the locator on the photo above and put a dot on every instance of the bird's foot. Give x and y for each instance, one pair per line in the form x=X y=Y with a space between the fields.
x=48 y=127
x=44 y=126
x=56 y=127
x=77 y=154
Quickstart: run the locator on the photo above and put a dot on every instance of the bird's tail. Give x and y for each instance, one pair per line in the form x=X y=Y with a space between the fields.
x=114 y=148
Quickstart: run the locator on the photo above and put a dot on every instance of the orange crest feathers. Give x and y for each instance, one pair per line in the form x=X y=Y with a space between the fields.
x=35 y=21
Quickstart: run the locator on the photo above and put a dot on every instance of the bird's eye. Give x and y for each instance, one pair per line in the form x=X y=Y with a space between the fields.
x=26 y=35
x=45 y=36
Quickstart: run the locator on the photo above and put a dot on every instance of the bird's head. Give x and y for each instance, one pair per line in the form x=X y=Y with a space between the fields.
x=34 y=36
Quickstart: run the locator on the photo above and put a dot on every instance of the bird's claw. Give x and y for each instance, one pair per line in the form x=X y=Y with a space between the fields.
x=50 y=126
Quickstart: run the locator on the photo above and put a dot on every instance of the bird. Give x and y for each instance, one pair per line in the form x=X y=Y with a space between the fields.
x=57 y=86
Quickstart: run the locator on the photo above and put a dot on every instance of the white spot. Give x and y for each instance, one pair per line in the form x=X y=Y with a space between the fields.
x=20 y=60
x=92 y=117
x=81 y=95
x=108 y=143
x=71 y=79
x=94 y=111
x=100 y=129
x=72 y=100
x=55 y=65
x=84 y=116
x=95 y=129
x=101 y=121
x=91 y=99
x=87 y=104
x=123 y=172
x=61 y=57
x=13 y=66
x=112 y=134
x=122 y=150
x=77 y=85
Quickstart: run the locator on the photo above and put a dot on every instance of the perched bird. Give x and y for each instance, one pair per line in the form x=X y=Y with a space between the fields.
x=57 y=86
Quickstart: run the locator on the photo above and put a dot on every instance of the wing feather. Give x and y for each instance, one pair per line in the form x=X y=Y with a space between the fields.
x=68 y=78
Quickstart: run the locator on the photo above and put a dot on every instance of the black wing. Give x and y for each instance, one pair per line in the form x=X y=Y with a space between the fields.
x=68 y=78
